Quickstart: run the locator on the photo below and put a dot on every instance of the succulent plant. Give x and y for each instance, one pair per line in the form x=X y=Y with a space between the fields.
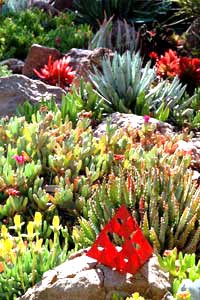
x=57 y=73
x=25 y=256
x=128 y=87
x=94 y=12
x=157 y=187
x=116 y=35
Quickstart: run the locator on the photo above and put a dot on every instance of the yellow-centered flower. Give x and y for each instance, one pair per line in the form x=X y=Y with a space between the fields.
x=2 y=251
x=184 y=295
x=56 y=223
x=38 y=219
x=38 y=245
x=21 y=247
x=8 y=245
x=17 y=221
x=30 y=230
x=4 y=232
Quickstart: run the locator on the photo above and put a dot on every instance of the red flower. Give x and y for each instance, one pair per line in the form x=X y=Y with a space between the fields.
x=118 y=156
x=153 y=55
x=189 y=70
x=57 y=73
x=57 y=41
x=151 y=33
x=12 y=192
x=168 y=65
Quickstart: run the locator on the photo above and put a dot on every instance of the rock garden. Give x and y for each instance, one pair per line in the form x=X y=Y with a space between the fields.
x=99 y=150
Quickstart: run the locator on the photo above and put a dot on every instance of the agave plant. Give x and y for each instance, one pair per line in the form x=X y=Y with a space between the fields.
x=57 y=73
x=14 y=5
x=94 y=12
x=116 y=35
x=128 y=87
x=188 y=7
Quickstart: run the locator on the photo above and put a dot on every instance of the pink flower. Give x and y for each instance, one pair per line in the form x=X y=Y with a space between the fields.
x=146 y=119
x=20 y=159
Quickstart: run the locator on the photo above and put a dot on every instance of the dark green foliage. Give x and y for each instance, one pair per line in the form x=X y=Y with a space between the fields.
x=93 y=12
x=19 y=31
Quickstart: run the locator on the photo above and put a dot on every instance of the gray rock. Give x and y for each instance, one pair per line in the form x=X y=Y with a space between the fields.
x=37 y=57
x=192 y=286
x=82 y=278
x=83 y=61
x=15 y=65
x=16 y=89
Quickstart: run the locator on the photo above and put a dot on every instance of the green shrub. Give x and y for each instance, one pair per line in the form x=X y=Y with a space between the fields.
x=19 y=31
x=73 y=104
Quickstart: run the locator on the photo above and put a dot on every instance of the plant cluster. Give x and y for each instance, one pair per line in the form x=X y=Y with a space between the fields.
x=128 y=87
x=181 y=267
x=61 y=183
x=20 y=30
x=155 y=184
x=27 y=254
x=170 y=65
x=94 y=12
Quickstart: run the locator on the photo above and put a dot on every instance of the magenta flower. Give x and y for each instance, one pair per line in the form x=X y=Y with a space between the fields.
x=20 y=159
x=146 y=119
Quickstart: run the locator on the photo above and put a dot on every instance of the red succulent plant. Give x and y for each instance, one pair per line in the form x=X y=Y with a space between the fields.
x=168 y=64
x=57 y=72
x=187 y=69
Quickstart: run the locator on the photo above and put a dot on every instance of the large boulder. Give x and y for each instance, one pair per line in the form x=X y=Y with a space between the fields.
x=83 y=278
x=37 y=57
x=16 y=89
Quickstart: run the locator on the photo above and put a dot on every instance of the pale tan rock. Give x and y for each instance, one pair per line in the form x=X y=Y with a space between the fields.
x=82 y=278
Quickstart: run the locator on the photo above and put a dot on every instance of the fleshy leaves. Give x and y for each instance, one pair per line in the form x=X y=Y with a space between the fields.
x=135 y=250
